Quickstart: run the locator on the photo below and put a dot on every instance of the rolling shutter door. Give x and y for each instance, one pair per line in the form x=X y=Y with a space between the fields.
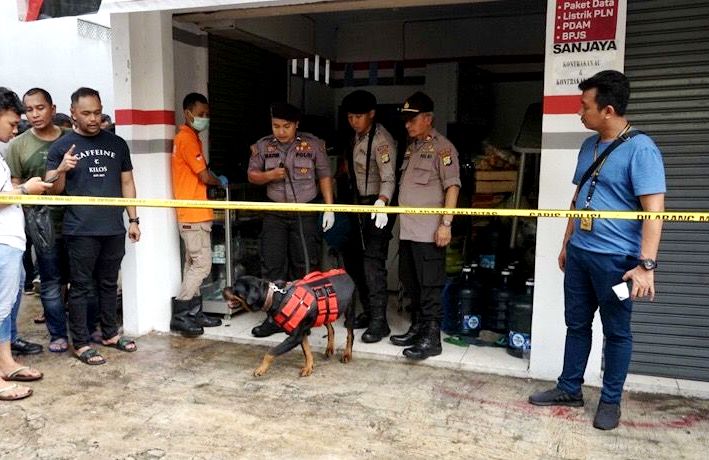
x=243 y=82
x=667 y=60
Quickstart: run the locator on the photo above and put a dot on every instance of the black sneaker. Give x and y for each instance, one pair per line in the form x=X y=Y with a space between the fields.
x=607 y=416
x=23 y=347
x=556 y=397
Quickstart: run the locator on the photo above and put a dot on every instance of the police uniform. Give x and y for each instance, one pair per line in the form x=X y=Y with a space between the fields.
x=306 y=162
x=430 y=166
x=366 y=254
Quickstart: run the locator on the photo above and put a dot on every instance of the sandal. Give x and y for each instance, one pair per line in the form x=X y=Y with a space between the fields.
x=91 y=357
x=58 y=345
x=17 y=376
x=15 y=397
x=123 y=344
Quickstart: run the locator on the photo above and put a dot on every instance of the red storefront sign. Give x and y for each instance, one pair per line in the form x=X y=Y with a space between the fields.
x=585 y=20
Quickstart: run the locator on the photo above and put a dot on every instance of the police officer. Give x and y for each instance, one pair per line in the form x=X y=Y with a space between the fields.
x=430 y=178
x=370 y=166
x=293 y=166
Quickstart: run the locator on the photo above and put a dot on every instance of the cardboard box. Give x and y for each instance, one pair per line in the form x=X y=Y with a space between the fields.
x=495 y=186
x=483 y=175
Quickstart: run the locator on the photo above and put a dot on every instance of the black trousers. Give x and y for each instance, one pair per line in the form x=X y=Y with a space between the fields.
x=365 y=256
x=422 y=270
x=282 y=256
x=94 y=261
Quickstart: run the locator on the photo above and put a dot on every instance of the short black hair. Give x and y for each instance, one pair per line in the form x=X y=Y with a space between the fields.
x=43 y=92
x=106 y=117
x=191 y=99
x=84 y=92
x=62 y=119
x=285 y=111
x=10 y=101
x=612 y=88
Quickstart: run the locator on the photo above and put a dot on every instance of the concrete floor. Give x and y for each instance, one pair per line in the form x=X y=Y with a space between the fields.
x=182 y=398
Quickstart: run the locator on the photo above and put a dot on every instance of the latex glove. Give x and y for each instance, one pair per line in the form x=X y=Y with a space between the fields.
x=380 y=219
x=223 y=180
x=328 y=220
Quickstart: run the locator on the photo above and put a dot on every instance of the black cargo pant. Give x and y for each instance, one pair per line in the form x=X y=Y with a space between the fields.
x=94 y=261
x=365 y=256
x=422 y=270
x=282 y=256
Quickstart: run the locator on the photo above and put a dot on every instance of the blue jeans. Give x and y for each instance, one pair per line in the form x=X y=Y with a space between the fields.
x=11 y=278
x=53 y=265
x=588 y=279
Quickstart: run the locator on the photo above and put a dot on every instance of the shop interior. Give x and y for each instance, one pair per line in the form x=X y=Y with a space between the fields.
x=481 y=62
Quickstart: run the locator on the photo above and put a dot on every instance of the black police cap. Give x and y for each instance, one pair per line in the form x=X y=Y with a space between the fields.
x=415 y=104
x=359 y=101
x=284 y=111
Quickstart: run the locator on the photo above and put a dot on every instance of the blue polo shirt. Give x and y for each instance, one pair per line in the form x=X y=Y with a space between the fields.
x=633 y=169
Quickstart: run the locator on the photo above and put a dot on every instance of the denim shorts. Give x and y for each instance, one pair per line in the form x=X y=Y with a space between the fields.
x=11 y=270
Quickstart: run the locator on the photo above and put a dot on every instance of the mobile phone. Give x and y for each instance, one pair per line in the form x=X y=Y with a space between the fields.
x=52 y=179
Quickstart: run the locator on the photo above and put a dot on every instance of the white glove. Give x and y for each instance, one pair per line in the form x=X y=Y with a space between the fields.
x=328 y=220
x=380 y=219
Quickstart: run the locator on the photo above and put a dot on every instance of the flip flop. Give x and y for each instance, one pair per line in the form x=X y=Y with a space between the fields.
x=58 y=346
x=15 y=375
x=123 y=344
x=15 y=397
x=89 y=353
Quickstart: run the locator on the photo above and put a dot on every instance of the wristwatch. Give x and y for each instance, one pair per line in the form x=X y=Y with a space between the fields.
x=647 y=264
x=134 y=221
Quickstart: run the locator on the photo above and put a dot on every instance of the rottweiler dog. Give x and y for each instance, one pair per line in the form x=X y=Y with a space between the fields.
x=318 y=299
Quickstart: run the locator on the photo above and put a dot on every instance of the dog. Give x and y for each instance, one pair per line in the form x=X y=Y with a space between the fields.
x=318 y=299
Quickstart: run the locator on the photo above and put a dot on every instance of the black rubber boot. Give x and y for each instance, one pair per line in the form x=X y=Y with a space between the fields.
x=182 y=321
x=198 y=315
x=265 y=329
x=362 y=320
x=428 y=343
x=408 y=338
x=378 y=326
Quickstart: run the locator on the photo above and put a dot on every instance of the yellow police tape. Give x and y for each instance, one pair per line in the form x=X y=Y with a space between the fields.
x=675 y=216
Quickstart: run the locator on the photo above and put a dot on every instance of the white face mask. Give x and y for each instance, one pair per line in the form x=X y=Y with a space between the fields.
x=200 y=123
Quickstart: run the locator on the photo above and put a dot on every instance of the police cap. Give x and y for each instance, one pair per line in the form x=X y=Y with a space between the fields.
x=359 y=101
x=285 y=111
x=415 y=104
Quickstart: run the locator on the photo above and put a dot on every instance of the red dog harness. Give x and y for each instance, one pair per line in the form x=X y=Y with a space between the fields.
x=315 y=286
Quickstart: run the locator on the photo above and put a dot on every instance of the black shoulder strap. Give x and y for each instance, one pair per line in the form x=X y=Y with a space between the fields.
x=622 y=138
x=369 y=155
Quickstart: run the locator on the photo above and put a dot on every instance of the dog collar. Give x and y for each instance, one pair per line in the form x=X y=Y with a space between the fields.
x=272 y=289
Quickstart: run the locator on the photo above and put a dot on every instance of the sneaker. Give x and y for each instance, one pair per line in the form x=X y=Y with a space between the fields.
x=23 y=347
x=556 y=397
x=607 y=416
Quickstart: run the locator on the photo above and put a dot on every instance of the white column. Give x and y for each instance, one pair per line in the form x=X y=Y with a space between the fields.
x=143 y=77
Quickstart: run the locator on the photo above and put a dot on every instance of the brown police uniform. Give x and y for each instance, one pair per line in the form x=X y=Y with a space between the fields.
x=430 y=166
x=306 y=161
x=366 y=253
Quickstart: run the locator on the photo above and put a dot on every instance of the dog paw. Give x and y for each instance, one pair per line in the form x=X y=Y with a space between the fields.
x=329 y=352
x=306 y=371
x=346 y=358
x=259 y=372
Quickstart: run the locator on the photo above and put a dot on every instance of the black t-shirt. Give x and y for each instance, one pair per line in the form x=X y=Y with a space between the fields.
x=102 y=159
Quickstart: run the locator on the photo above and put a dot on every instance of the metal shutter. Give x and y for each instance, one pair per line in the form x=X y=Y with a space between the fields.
x=243 y=82
x=667 y=60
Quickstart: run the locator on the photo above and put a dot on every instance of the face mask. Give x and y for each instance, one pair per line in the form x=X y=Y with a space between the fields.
x=200 y=123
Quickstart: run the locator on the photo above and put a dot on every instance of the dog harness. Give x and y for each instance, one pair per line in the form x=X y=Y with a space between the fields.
x=315 y=286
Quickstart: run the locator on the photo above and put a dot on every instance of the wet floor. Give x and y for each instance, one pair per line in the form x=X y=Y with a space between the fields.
x=195 y=398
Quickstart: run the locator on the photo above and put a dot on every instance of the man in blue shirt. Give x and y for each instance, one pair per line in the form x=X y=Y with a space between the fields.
x=598 y=254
